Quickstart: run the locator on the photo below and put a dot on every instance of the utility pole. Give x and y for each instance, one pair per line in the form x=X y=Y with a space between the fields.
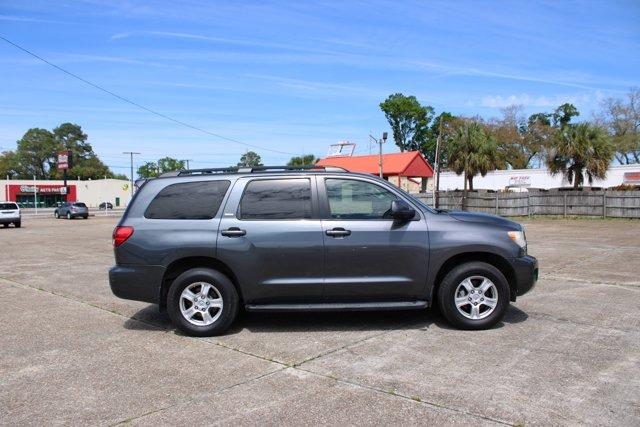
x=187 y=162
x=436 y=195
x=131 y=154
x=380 y=142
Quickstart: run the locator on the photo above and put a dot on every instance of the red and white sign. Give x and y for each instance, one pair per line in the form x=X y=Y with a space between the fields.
x=520 y=181
x=631 y=178
x=64 y=160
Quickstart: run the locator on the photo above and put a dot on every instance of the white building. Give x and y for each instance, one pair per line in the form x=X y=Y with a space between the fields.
x=46 y=193
x=536 y=178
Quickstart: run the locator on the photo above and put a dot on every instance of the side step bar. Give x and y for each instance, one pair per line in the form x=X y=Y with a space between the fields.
x=354 y=306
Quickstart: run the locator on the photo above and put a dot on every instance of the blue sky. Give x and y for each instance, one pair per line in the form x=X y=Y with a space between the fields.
x=294 y=77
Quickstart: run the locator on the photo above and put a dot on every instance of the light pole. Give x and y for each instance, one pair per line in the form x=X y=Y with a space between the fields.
x=131 y=153
x=380 y=142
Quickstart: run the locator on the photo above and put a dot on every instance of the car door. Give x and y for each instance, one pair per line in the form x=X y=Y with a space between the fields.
x=368 y=255
x=270 y=236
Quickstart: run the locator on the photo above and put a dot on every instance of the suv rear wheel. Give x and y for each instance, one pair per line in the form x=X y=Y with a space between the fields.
x=474 y=295
x=202 y=302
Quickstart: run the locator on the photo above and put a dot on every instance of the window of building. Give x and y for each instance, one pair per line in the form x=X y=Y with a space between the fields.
x=189 y=200
x=351 y=199
x=276 y=199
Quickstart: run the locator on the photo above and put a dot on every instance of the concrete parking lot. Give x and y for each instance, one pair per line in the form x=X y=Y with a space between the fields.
x=567 y=353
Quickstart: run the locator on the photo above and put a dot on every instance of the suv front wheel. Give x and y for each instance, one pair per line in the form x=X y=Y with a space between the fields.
x=474 y=295
x=202 y=302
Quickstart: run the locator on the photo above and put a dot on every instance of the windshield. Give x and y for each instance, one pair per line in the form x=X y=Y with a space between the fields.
x=80 y=205
x=8 y=206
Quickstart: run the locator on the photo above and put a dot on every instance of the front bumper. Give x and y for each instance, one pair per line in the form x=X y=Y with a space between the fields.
x=136 y=282
x=526 y=272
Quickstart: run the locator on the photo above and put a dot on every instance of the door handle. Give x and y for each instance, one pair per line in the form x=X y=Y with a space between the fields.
x=338 y=232
x=233 y=232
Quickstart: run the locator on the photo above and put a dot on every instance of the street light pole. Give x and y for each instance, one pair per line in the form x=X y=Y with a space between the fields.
x=436 y=193
x=380 y=142
x=131 y=153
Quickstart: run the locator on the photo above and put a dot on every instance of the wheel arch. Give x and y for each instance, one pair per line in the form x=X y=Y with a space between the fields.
x=493 y=259
x=181 y=265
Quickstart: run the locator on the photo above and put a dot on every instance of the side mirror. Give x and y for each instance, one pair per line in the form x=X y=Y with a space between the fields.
x=401 y=211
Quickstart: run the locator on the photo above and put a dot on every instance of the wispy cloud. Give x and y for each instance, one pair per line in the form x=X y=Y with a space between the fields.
x=544 y=101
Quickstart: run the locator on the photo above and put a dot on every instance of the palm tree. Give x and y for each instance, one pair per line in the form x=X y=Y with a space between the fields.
x=578 y=149
x=304 y=160
x=471 y=151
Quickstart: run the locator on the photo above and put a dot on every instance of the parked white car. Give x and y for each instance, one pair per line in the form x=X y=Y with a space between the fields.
x=10 y=214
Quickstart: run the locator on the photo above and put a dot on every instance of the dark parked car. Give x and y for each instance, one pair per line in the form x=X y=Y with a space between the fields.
x=105 y=205
x=204 y=243
x=71 y=210
x=10 y=214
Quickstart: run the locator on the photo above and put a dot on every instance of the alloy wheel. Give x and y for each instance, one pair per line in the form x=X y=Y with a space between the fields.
x=201 y=303
x=476 y=297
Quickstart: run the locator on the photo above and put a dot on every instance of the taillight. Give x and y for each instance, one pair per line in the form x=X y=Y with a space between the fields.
x=120 y=235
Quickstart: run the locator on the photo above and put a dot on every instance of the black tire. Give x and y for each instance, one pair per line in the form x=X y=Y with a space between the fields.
x=447 y=295
x=5 y=225
x=222 y=284
x=56 y=214
x=69 y=216
x=17 y=224
x=85 y=217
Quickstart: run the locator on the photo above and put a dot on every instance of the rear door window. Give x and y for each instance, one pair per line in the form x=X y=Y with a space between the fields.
x=79 y=205
x=276 y=199
x=188 y=200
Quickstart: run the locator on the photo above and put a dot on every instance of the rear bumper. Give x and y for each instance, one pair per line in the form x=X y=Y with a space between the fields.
x=9 y=219
x=136 y=282
x=526 y=270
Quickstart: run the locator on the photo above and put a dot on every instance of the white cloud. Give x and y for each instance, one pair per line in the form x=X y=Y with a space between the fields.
x=526 y=100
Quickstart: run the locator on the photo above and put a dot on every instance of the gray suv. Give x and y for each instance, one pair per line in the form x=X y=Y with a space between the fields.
x=203 y=243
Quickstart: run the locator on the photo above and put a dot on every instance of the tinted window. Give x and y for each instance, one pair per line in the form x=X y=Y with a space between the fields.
x=276 y=199
x=350 y=199
x=189 y=200
x=80 y=205
x=8 y=206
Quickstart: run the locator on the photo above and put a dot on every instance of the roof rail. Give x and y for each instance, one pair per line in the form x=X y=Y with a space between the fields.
x=255 y=169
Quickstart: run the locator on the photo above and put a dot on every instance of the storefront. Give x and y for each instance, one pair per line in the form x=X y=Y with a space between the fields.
x=45 y=196
x=49 y=193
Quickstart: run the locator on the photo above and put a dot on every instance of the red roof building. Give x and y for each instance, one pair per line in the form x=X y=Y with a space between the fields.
x=398 y=168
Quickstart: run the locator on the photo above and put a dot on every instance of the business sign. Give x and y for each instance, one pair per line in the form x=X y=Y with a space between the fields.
x=42 y=189
x=520 y=181
x=64 y=160
x=631 y=178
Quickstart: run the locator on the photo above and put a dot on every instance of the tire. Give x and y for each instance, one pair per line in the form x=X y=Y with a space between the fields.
x=5 y=225
x=85 y=217
x=17 y=224
x=221 y=288
x=455 y=291
x=69 y=215
x=56 y=214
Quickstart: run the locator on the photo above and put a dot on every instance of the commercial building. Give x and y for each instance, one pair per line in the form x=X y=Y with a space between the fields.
x=537 y=178
x=409 y=170
x=47 y=193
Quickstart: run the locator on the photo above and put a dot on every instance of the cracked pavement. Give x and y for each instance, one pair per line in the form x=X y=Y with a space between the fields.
x=567 y=353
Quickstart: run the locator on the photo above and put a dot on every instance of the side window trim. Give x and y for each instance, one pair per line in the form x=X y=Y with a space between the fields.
x=312 y=190
x=323 y=199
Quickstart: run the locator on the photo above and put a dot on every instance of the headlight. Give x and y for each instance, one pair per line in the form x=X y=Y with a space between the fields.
x=518 y=238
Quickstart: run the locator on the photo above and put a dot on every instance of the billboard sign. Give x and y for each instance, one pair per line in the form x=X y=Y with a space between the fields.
x=64 y=160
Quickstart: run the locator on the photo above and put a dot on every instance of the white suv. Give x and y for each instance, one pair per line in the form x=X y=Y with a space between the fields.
x=10 y=214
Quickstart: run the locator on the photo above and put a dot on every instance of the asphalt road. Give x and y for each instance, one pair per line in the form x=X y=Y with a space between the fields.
x=567 y=353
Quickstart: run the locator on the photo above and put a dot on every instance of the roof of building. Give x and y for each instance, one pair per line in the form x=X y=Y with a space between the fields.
x=409 y=163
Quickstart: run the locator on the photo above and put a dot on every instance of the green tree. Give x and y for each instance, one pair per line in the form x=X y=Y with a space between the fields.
x=409 y=121
x=35 y=154
x=304 y=160
x=519 y=141
x=169 y=164
x=250 y=159
x=148 y=170
x=8 y=164
x=563 y=115
x=444 y=126
x=579 y=149
x=472 y=152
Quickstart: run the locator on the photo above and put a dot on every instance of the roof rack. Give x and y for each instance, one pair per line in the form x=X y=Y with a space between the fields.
x=254 y=169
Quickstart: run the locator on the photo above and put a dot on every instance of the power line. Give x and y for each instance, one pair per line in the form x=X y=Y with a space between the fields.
x=128 y=101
